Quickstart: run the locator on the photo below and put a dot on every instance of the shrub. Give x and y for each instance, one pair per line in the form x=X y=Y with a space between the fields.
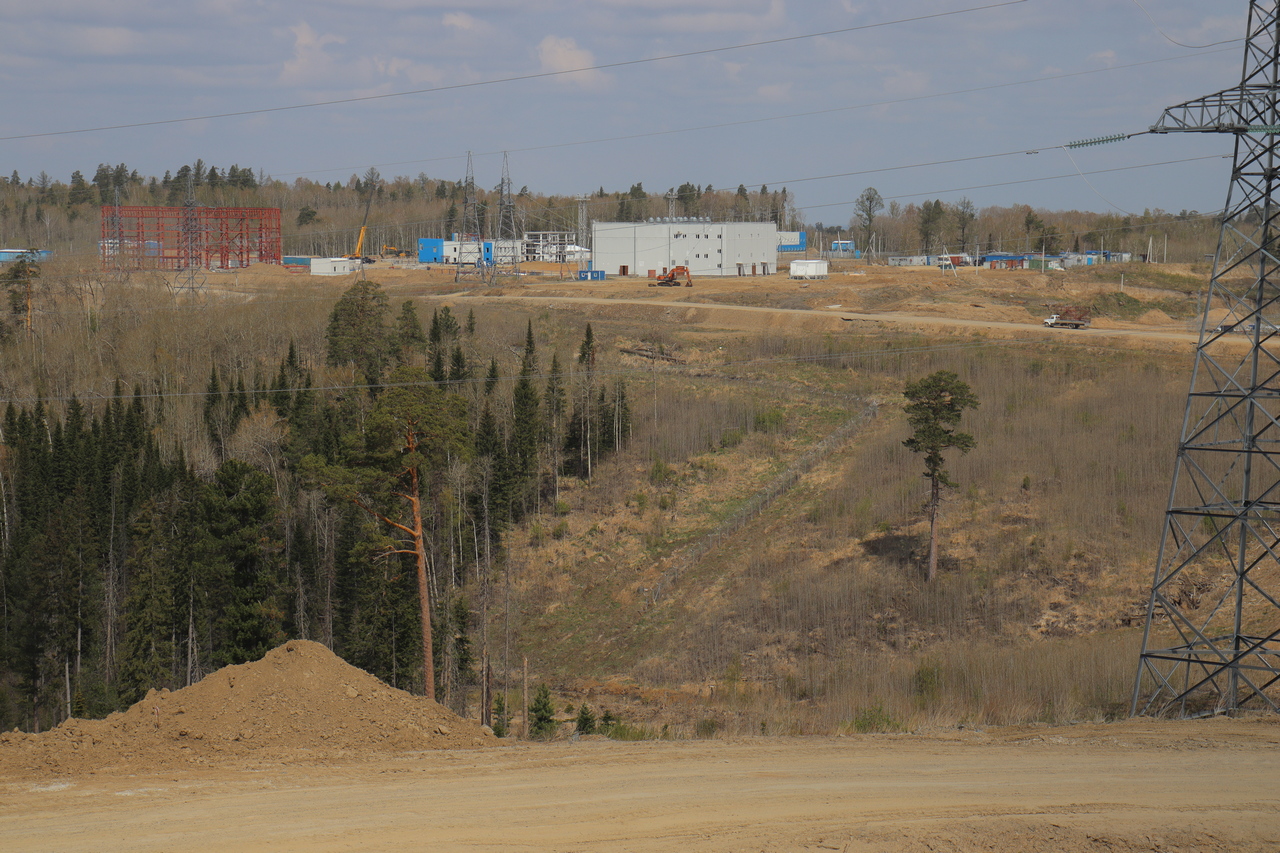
x=586 y=722
x=501 y=719
x=731 y=438
x=875 y=719
x=561 y=530
x=623 y=731
x=705 y=728
x=770 y=420
x=542 y=714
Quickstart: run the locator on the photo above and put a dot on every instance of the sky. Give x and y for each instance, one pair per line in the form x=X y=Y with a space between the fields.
x=846 y=95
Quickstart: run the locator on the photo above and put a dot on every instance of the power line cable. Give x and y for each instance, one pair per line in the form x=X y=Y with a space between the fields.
x=1172 y=40
x=1022 y=181
x=764 y=119
x=515 y=78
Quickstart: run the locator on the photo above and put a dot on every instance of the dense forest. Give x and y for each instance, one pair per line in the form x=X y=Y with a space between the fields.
x=324 y=218
x=127 y=566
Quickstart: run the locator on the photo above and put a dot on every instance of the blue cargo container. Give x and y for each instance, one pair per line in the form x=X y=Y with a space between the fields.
x=430 y=250
x=8 y=255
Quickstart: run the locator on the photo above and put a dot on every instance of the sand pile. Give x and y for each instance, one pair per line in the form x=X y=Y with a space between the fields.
x=299 y=702
x=1155 y=317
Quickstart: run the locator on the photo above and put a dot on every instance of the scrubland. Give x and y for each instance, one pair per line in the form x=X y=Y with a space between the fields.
x=750 y=563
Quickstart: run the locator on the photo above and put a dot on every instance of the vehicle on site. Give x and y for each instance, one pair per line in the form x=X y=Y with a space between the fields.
x=396 y=253
x=673 y=278
x=1069 y=317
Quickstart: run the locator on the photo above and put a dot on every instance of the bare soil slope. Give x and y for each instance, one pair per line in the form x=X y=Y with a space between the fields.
x=299 y=702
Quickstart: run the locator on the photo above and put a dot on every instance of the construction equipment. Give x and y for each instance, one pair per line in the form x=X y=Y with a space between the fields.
x=359 y=252
x=673 y=277
x=396 y=253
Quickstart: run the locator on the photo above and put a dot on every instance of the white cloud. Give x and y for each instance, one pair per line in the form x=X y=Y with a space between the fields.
x=905 y=82
x=461 y=21
x=735 y=19
x=418 y=74
x=310 y=61
x=774 y=92
x=559 y=53
x=102 y=41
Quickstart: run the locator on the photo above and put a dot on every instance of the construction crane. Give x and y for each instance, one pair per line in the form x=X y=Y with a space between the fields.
x=364 y=224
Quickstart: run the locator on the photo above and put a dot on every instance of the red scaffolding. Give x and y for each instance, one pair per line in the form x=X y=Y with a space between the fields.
x=178 y=238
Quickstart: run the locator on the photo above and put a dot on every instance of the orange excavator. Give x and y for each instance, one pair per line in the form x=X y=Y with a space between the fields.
x=673 y=278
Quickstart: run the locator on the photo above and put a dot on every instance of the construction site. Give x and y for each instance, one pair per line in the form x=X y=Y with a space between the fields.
x=412 y=514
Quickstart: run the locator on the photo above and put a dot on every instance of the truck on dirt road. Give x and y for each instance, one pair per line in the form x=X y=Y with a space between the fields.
x=1069 y=317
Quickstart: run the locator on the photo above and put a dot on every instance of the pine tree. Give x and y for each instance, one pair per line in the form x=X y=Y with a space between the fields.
x=934 y=407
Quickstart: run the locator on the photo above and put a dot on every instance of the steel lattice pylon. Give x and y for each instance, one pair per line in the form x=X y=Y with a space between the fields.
x=1212 y=637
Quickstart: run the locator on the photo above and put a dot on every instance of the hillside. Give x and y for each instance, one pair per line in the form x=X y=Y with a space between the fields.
x=745 y=554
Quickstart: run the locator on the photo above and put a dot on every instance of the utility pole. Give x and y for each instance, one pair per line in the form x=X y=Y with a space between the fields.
x=1211 y=642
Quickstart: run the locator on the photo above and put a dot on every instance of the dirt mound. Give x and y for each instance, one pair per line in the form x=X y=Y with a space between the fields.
x=301 y=701
x=1155 y=317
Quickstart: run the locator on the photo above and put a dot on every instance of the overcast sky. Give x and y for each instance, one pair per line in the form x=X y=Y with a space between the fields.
x=882 y=98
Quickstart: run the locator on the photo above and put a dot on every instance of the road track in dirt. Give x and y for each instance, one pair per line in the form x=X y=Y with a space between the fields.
x=713 y=312
x=1138 y=785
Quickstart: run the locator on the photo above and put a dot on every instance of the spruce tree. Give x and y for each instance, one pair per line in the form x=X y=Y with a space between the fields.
x=491 y=378
x=357 y=333
x=410 y=339
x=542 y=714
x=146 y=655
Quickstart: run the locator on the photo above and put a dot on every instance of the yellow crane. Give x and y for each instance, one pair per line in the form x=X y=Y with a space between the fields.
x=359 y=253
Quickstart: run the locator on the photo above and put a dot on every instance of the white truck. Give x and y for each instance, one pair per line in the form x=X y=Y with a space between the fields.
x=1068 y=317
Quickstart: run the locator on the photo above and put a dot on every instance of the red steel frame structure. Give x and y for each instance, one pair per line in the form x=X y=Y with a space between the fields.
x=171 y=238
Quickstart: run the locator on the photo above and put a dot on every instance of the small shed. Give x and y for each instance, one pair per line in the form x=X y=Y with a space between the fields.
x=809 y=269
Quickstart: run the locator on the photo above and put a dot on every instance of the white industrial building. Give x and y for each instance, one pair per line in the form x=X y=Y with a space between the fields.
x=706 y=248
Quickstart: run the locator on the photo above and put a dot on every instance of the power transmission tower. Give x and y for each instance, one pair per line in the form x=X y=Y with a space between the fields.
x=582 y=237
x=115 y=226
x=471 y=259
x=1213 y=619
x=191 y=243
x=507 y=249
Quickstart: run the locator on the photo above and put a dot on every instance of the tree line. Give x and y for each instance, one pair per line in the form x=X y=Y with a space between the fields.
x=377 y=529
x=323 y=218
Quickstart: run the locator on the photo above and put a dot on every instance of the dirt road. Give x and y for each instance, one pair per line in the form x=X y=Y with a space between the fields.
x=713 y=312
x=1202 y=786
